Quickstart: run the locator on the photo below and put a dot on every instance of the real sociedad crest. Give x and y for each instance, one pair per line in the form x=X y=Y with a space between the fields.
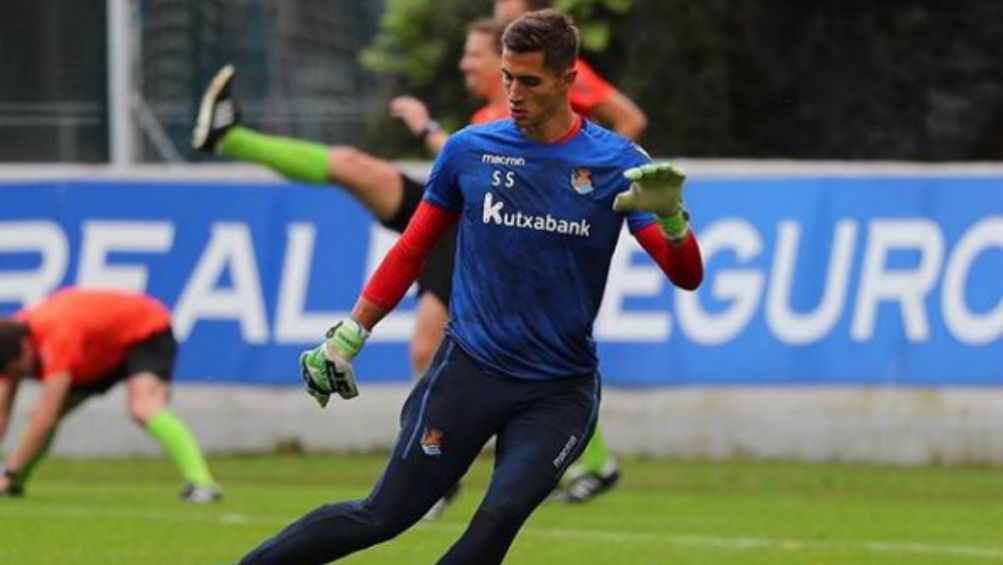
x=581 y=180
x=431 y=442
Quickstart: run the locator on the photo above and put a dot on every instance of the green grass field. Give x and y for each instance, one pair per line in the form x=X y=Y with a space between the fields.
x=681 y=513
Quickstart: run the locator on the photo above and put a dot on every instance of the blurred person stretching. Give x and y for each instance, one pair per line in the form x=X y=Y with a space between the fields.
x=597 y=470
x=386 y=191
x=540 y=200
x=80 y=343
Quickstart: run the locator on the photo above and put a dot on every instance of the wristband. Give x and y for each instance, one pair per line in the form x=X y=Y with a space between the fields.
x=675 y=226
x=347 y=336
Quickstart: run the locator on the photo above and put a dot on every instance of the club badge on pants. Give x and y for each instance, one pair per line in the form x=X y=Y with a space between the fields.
x=431 y=442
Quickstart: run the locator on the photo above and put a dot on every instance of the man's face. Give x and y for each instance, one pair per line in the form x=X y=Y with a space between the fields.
x=534 y=92
x=480 y=65
x=509 y=10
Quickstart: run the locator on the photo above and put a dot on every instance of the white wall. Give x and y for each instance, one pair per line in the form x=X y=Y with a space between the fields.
x=890 y=425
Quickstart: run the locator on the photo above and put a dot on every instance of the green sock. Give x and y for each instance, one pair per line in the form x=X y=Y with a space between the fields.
x=294 y=159
x=595 y=454
x=180 y=445
x=29 y=468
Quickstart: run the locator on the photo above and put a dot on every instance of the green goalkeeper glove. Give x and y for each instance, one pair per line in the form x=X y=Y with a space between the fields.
x=327 y=368
x=657 y=188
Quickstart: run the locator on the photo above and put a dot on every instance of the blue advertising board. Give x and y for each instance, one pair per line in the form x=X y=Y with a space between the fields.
x=865 y=281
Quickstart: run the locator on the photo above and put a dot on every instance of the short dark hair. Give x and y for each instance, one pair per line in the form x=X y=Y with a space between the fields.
x=534 y=5
x=12 y=333
x=489 y=26
x=549 y=31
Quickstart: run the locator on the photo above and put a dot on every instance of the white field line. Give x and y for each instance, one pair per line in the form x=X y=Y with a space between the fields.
x=736 y=543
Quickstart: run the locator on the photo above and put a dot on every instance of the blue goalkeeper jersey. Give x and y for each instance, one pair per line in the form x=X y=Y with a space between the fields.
x=537 y=231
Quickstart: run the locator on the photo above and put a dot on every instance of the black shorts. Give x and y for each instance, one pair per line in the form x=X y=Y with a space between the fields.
x=155 y=354
x=437 y=277
x=541 y=427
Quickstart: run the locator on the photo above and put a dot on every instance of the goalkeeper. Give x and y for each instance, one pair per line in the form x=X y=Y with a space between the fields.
x=518 y=363
x=393 y=196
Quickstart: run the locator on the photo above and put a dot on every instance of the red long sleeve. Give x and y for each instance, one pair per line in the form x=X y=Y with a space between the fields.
x=682 y=264
x=402 y=265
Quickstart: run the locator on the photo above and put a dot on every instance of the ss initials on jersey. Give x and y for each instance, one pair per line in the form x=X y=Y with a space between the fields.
x=499 y=178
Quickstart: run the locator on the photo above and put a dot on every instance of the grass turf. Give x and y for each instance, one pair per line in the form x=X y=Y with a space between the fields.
x=113 y=512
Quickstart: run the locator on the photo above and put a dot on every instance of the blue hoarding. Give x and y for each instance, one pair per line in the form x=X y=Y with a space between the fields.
x=885 y=280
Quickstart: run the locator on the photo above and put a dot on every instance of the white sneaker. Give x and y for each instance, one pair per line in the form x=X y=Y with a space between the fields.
x=200 y=495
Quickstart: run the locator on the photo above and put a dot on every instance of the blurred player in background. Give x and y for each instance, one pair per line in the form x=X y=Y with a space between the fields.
x=80 y=343
x=540 y=200
x=386 y=191
x=597 y=471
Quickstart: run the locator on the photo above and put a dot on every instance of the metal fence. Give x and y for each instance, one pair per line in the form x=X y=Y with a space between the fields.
x=297 y=60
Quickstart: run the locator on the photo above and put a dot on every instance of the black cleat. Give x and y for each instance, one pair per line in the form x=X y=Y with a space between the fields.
x=218 y=111
x=586 y=485
x=12 y=491
x=200 y=495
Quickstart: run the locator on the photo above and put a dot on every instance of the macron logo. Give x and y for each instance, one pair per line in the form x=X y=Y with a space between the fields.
x=563 y=455
x=492 y=214
x=503 y=160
